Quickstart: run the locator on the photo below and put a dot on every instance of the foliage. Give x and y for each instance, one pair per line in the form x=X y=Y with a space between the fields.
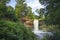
x=53 y=11
x=11 y=14
x=15 y=31
x=3 y=8
x=29 y=14
x=53 y=15
x=10 y=30
x=40 y=12
x=47 y=37
x=57 y=34
x=4 y=1
x=20 y=10
x=20 y=1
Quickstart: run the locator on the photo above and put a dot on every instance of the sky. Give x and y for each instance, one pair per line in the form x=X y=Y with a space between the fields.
x=34 y=4
x=12 y=3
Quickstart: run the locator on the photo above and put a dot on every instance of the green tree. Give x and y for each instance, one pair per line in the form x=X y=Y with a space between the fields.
x=15 y=31
x=53 y=11
x=11 y=14
x=29 y=13
x=20 y=8
x=3 y=8
x=53 y=15
x=40 y=12
x=20 y=1
x=10 y=30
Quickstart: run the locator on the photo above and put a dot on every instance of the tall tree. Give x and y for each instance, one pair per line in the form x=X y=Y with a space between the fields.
x=20 y=1
x=10 y=30
x=40 y=12
x=11 y=14
x=20 y=8
x=29 y=13
x=53 y=11
x=53 y=15
x=3 y=8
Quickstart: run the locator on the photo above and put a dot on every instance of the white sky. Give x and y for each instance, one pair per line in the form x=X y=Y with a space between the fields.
x=34 y=4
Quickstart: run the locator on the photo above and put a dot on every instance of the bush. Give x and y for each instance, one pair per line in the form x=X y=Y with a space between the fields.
x=15 y=31
x=57 y=34
x=47 y=37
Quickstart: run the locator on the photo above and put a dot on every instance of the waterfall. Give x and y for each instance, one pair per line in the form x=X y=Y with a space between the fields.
x=36 y=22
x=36 y=31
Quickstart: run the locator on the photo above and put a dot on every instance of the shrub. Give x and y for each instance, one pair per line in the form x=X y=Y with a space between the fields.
x=47 y=37
x=15 y=31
